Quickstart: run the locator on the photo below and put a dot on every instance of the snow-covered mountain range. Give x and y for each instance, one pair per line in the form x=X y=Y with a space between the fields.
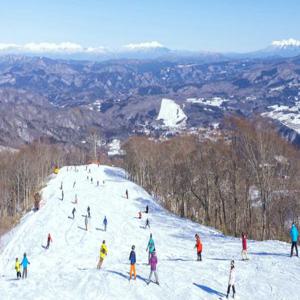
x=143 y=50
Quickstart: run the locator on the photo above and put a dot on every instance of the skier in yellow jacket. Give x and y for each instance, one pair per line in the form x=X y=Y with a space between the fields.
x=18 y=268
x=103 y=253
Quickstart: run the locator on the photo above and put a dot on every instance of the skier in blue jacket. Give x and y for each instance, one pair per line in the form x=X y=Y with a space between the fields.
x=105 y=223
x=294 y=237
x=132 y=259
x=25 y=264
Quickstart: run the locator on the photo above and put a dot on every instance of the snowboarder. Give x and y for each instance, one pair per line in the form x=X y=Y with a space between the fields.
x=18 y=268
x=199 y=247
x=49 y=240
x=126 y=193
x=244 y=245
x=140 y=214
x=132 y=258
x=153 y=263
x=147 y=224
x=294 y=237
x=25 y=264
x=231 y=280
x=147 y=209
x=89 y=211
x=103 y=253
x=74 y=183
x=86 y=222
x=105 y=223
x=150 y=247
x=73 y=212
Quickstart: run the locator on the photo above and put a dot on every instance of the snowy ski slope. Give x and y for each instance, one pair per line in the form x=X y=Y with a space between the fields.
x=67 y=270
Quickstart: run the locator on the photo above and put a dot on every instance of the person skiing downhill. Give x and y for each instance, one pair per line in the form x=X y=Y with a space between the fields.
x=199 y=247
x=147 y=224
x=150 y=247
x=18 y=268
x=231 y=280
x=153 y=264
x=294 y=238
x=244 y=246
x=73 y=212
x=103 y=254
x=25 y=264
x=105 y=223
x=132 y=258
x=49 y=240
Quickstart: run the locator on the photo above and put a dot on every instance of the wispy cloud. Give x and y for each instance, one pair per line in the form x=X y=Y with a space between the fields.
x=65 y=47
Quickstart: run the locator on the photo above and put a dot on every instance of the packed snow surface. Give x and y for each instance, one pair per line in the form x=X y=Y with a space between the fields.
x=67 y=270
x=171 y=114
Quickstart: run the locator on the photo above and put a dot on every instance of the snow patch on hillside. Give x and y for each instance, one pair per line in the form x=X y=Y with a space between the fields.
x=287 y=115
x=215 y=101
x=171 y=114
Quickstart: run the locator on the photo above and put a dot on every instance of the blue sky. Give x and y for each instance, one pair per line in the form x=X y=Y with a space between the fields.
x=214 y=25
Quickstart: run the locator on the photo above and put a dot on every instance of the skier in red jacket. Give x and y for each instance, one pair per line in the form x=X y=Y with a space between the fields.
x=49 y=239
x=244 y=246
x=199 y=247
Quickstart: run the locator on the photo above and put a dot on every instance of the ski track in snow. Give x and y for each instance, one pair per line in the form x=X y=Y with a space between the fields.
x=67 y=270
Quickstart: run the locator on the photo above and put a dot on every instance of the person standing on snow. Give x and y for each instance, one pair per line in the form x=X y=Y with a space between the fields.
x=231 y=281
x=244 y=245
x=132 y=258
x=25 y=264
x=150 y=247
x=147 y=209
x=89 y=211
x=49 y=239
x=103 y=253
x=105 y=223
x=86 y=222
x=153 y=263
x=18 y=268
x=199 y=247
x=294 y=237
x=126 y=193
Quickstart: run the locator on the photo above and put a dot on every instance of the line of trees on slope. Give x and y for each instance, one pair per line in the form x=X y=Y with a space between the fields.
x=23 y=173
x=246 y=180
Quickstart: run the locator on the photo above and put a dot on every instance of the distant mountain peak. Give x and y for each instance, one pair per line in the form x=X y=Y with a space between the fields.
x=144 y=46
x=286 y=43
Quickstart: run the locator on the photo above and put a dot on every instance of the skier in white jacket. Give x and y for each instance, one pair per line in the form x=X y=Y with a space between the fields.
x=231 y=280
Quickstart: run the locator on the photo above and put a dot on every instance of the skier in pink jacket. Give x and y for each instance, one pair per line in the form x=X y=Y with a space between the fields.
x=153 y=263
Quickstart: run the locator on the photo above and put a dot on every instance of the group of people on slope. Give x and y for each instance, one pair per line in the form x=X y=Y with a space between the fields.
x=24 y=263
x=152 y=259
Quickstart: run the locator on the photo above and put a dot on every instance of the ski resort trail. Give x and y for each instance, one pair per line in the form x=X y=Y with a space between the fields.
x=67 y=270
